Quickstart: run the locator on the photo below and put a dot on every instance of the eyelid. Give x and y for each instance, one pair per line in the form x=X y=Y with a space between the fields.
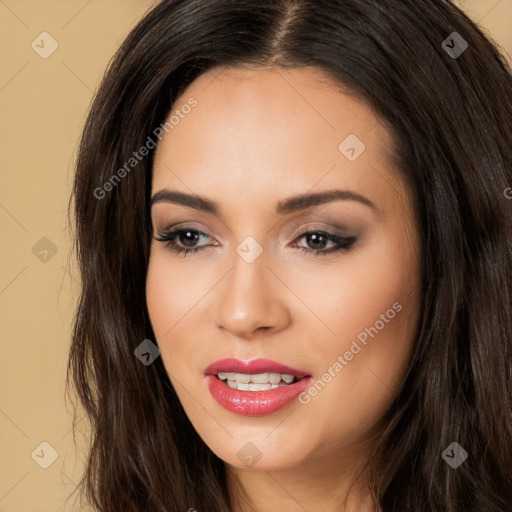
x=172 y=230
x=336 y=235
x=335 y=230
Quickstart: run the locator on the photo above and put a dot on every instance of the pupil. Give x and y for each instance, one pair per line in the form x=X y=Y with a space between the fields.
x=314 y=238
x=189 y=241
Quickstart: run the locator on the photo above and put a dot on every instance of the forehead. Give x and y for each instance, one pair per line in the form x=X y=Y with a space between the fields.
x=269 y=131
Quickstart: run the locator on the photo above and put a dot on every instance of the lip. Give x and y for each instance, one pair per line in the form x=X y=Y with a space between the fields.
x=254 y=366
x=254 y=403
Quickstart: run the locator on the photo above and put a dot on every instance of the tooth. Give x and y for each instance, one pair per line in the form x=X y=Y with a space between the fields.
x=260 y=378
x=259 y=387
x=275 y=378
x=252 y=386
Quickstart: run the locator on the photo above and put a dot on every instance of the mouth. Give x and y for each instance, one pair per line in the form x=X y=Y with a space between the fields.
x=258 y=381
x=257 y=387
x=255 y=375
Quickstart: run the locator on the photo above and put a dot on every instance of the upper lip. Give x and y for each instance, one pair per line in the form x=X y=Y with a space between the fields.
x=252 y=367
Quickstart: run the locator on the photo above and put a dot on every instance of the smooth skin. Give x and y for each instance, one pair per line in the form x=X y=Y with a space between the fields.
x=257 y=137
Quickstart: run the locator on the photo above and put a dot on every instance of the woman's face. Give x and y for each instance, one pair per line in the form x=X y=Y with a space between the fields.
x=247 y=143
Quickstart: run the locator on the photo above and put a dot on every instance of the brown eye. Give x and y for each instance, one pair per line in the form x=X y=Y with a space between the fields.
x=318 y=240
x=186 y=238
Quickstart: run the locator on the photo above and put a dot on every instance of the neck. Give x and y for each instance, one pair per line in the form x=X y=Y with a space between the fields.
x=338 y=483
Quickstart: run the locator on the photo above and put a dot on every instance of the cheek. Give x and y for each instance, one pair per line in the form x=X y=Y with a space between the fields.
x=352 y=295
x=176 y=293
x=173 y=293
x=159 y=301
x=169 y=301
x=373 y=308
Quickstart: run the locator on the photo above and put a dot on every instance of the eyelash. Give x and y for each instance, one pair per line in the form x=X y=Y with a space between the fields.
x=344 y=243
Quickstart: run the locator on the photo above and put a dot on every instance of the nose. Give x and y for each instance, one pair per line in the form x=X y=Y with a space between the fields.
x=251 y=300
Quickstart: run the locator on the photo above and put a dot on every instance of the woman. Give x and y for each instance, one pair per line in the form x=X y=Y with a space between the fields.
x=295 y=246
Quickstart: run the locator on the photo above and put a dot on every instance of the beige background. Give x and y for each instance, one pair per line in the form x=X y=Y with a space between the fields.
x=43 y=103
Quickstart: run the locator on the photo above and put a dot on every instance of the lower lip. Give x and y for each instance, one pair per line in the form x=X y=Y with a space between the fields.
x=255 y=403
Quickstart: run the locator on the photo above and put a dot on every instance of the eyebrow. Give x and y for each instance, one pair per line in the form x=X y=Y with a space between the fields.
x=286 y=206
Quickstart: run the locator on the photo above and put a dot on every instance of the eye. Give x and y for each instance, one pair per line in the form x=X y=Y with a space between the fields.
x=186 y=239
x=319 y=239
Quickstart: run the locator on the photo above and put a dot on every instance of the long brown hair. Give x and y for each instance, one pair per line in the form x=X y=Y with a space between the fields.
x=448 y=108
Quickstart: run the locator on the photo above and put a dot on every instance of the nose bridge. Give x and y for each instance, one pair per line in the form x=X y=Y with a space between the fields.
x=248 y=299
x=250 y=259
x=247 y=279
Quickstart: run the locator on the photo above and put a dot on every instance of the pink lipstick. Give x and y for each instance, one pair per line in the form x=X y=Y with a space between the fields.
x=256 y=387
